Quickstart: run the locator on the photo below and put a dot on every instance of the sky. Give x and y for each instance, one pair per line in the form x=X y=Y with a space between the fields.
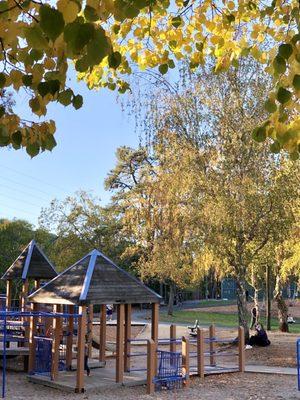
x=87 y=140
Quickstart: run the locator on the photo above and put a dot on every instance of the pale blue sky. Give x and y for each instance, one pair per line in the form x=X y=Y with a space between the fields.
x=87 y=140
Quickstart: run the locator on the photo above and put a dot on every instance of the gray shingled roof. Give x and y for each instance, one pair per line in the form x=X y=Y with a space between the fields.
x=94 y=279
x=32 y=263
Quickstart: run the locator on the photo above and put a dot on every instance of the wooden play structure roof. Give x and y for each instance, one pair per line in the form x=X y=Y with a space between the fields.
x=94 y=279
x=32 y=263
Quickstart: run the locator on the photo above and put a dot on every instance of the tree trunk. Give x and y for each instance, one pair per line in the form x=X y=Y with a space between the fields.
x=242 y=306
x=171 y=299
x=281 y=305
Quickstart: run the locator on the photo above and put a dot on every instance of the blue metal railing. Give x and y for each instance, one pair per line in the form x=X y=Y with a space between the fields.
x=298 y=362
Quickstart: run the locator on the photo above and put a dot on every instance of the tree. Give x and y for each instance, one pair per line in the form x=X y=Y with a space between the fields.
x=236 y=191
x=81 y=224
x=14 y=236
x=107 y=40
x=155 y=194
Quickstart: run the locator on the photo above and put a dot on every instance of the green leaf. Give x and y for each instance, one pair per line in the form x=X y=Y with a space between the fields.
x=35 y=38
x=83 y=64
x=294 y=156
x=43 y=88
x=91 y=14
x=279 y=64
x=77 y=101
x=16 y=138
x=296 y=38
x=176 y=21
x=2 y=80
x=270 y=106
x=34 y=104
x=285 y=50
x=27 y=80
x=131 y=11
x=78 y=35
x=4 y=136
x=114 y=59
x=54 y=86
x=49 y=142
x=275 y=147
x=2 y=111
x=65 y=97
x=33 y=149
x=163 y=69
x=98 y=47
x=283 y=95
x=199 y=46
x=51 y=21
x=230 y=18
x=36 y=54
x=259 y=134
x=171 y=64
x=296 y=82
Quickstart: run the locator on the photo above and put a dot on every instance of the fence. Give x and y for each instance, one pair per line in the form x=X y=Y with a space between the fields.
x=298 y=362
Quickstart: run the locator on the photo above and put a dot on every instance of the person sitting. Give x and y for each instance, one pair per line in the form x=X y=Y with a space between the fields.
x=260 y=338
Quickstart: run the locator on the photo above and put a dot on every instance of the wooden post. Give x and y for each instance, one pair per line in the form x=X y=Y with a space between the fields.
x=57 y=325
x=81 y=350
x=212 y=334
x=25 y=320
x=69 y=349
x=200 y=352
x=154 y=322
x=102 y=339
x=186 y=360
x=37 y=284
x=120 y=343
x=173 y=338
x=127 y=344
x=90 y=329
x=151 y=350
x=241 y=349
x=32 y=332
x=8 y=294
x=268 y=299
x=24 y=295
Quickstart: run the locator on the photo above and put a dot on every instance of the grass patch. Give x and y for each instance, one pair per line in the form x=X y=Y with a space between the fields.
x=219 y=319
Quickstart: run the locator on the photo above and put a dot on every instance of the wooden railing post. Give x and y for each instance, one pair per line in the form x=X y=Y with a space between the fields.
x=81 y=350
x=70 y=328
x=241 y=349
x=173 y=338
x=102 y=339
x=154 y=329
x=90 y=329
x=32 y=332
x=186 y=360
x=200 y=352
x=57 y=325
x=120 y=343
x=8 y=294
x=212 y=335
x=127 y=344
x=151 y=350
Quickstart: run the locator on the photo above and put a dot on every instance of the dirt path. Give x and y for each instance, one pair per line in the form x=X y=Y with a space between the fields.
x=218 y=387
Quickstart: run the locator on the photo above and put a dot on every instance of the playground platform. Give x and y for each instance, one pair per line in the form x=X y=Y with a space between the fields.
x=100 y=378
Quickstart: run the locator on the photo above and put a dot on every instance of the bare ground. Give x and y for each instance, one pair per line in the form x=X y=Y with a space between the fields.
x=218 y=387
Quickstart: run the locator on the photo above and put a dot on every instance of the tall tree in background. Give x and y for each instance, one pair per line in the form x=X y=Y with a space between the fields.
x=228 y=183
x=81 y=224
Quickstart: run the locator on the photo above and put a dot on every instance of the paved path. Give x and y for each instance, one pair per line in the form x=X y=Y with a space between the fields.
x=265 y=369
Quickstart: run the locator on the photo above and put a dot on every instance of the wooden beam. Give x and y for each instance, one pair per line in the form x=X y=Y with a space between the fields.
x=25 y=320
x=102 y=339
x=37 y=284
x=32 y=332
x=186 y=360
x=173 y=338
x=81 y=350
x=151 y=350
x=127 y=344
x=200 y=352
x=120 y=343
x=57 y=330
x=241 y=349
x=90 y=329
x=69 y=347
x=154 y=329
x=212 y=334
x=8 y=294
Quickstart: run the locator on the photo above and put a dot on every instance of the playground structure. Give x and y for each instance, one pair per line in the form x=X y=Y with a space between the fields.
x=56 y=330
